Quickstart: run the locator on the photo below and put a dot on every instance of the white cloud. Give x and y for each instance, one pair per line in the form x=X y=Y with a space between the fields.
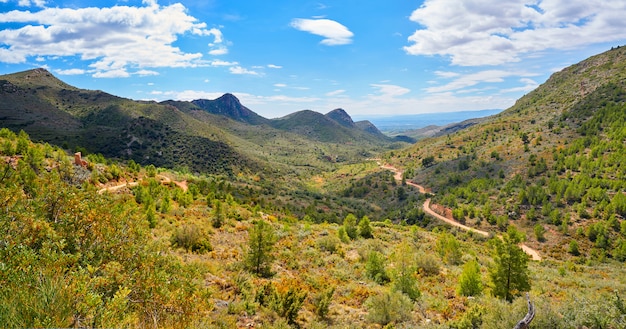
x=28 y=3
x=114 y=39
x=468 y=80
x=145 y=73
x=70 y=72
x=529 y=84
x=218 y=51
x=494 y=32
x=280 y=85
x=334 y=33
x=389 y=91
x=445 y=74
x=335 y=93
x=242 y=70
x=222 y=63
x=119 y=73
x=272 y=66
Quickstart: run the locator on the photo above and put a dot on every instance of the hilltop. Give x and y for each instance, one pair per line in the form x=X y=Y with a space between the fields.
x=212 y=136
x=550 y=164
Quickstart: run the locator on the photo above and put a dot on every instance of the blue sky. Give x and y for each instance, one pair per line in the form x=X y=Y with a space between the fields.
x=368 y=57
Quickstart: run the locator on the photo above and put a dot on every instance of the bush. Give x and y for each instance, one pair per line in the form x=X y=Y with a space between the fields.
x=328 y=243
x=470 y=283
x=427 y=264
x=375 y=267
x=392 y=306
x=287 y=304
x=191 y=238
x=321 y=302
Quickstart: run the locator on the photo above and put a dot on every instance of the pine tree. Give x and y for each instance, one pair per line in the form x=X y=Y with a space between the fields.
x=261 y=241
x=349 y=224
x=365 y=230
x=509 y=272
x=470 y=283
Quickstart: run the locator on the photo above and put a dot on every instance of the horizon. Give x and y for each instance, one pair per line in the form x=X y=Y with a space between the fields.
x=421 y=57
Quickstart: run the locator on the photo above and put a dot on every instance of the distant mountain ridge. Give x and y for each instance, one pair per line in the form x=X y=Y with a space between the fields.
x=220 y=135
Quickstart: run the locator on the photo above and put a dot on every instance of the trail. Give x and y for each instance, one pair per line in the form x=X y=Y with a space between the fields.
x=534 y=254
x=164 y=180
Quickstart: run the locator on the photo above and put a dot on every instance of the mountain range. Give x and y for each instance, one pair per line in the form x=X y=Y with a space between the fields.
x=220 y=135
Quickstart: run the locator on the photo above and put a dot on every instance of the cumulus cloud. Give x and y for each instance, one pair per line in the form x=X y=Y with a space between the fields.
x=114 y=39
x=335 y=33
x=242 y=70
x=28 y=3
x=70 y=72
x=494 y=32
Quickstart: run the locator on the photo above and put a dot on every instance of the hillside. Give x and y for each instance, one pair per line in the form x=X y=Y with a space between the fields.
x=550 y=164
x=212 y=136
x=126 y=246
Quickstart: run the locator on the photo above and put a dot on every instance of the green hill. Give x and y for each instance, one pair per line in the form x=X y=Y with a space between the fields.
x=553 y=160
x=212 y=136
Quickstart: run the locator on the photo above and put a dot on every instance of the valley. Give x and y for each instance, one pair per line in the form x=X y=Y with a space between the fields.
x=204 y=214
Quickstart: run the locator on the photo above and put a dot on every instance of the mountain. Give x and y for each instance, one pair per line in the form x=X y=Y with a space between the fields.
x=96 y=122
x=341 y=117
x=228 y=105
x=336 y=127
x=554 y=160
x=218 y=135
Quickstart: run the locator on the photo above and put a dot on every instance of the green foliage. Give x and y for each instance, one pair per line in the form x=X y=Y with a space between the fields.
x=191 y=238
x=342 y=235
x=573 y=248
x=365 y=230
x=470 y=282
x=349 y=225
x=509 y=272
x=375 y=267
x=261 y=240
x=539 y=232
x=449 y=248
x=288 y=303
x=321 y=302
x=388 y=307
x=427 y=264
x=218 y=214
x=329 y=243
x=404 y=279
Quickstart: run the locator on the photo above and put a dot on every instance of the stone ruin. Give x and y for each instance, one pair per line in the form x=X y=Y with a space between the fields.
x=78 y=160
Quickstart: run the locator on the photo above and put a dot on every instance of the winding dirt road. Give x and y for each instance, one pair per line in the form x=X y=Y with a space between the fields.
x=426 y=207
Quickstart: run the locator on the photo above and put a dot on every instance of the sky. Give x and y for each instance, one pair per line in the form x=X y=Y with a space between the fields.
x=368 y=57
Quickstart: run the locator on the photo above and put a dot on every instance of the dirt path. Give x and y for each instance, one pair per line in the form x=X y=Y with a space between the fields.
x=117 y=187
x=164 y=180
x=534 y=254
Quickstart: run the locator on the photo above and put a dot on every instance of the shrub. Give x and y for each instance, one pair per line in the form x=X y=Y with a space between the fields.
x=191 y=238
x=328 y=243
x=287 y=304
x=470 y=283
x=321 y=302
x=391 y=306
x=365 y=230
x=375 y=267
x=427 y=264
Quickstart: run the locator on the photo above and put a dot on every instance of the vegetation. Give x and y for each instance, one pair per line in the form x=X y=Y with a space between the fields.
x=340 y=244
x=509 y=272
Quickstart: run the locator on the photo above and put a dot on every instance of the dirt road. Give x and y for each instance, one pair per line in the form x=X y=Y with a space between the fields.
x=534 y=254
